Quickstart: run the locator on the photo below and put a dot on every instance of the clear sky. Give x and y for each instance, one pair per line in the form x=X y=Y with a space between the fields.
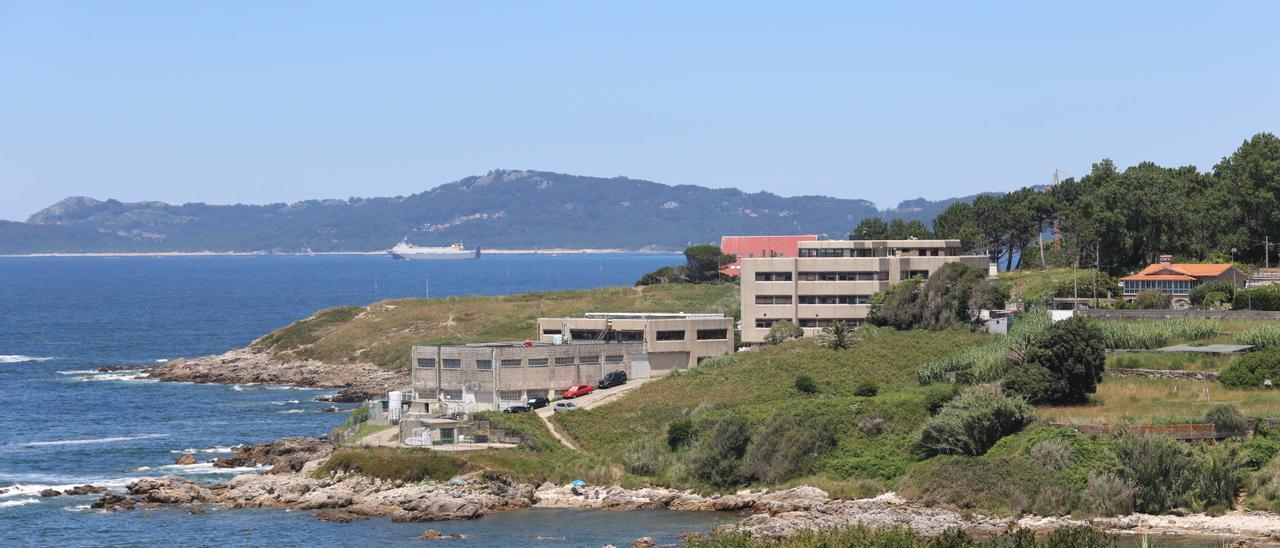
x=257 y=102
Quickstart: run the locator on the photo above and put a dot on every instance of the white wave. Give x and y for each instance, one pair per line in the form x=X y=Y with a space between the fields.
x=247 y=386
x=162 y=360
x=130 y=376
x=80 y=372
x=191 y=450
x=291 y=411
x=19 y=502
x=19 y=358
x=77 y=508
x=32 y=489
x=199 y=468
x=91 y=441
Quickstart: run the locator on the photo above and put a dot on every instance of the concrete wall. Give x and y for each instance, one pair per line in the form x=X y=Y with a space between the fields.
x=690 y=348
x=887 y=270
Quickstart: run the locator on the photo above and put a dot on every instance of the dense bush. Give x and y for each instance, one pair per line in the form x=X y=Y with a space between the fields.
x=644 y=457
x=936 y=396
x=783 y=330
x=1035 y=383
x=950 y=296
x=717 y=456
x=866 y=389
x=1203 y=295
x=1227 y=419
x=1054 y=454
x=1219 y=476
x=679 y=433
x=1159 y=468
x=1264 y=488
x=1106 y=494
x=973 y=422
x=837 y=336
x=1252 y=370
x=1151 y=299
x=1262 y=298
x=805 y=385
x=784 y=448
x=1072 y=353
x=989 y=362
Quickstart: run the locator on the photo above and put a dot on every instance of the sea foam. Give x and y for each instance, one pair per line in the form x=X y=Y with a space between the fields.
x=19 y=358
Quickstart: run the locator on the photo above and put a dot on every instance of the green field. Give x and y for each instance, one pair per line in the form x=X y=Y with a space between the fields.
x=385 y=331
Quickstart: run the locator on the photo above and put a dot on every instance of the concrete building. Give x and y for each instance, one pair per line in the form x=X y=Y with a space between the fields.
x=672 y=341
x=458 y=379
x=833 y=280
x=751 y=247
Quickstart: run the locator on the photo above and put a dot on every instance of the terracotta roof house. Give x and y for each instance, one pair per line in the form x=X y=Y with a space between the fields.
x=1178 y=279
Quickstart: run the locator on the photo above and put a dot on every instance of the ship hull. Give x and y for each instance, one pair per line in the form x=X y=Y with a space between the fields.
x=435 y=256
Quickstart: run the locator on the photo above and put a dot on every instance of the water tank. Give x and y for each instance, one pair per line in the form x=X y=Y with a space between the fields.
x=394 y=401
x=557 y=339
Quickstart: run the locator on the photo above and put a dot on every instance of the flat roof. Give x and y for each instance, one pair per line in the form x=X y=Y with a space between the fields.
x=861 y=244
x=1208 y=348
x=521 y=344
x=647 y=315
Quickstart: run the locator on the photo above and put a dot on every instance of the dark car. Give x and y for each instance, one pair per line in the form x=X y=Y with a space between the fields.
x=538 y=402
x=517 y=409
x=616 y=378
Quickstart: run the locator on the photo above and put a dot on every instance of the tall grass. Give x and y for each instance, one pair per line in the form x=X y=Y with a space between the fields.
x=1149 y=334
x=1265 y=335
x=409 y=465
x=987 y=362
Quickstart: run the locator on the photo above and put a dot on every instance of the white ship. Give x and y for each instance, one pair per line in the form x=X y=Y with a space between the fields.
x=406 y=251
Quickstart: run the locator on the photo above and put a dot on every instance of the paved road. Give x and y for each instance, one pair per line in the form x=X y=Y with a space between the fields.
x=589 y=401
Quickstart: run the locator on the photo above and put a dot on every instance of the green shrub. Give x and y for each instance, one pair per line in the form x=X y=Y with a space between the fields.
x=1262 y=336
x=1252 y=370
x=1054 y=454
x=1072 y=352
x=1106 y=494
x=783 y=330
x=1210 y=293
x=1264 y=488
x=679 y=433
x=805 y=385
x=1035 y=383
x=936 y=396
x=643 y=457
x=989 y=362
x=358 y=416
x=866 y=389
x=1219 y=476
x=944 y=300
x=973 y=422
x=1262 y=298
x=784 y=448
x=1151 y=299
x=1159 y=469
x=901 y=536
x=717 y=456
x=837 y=336
x=1227 y=419
x=1261 y=448
x=409 y=465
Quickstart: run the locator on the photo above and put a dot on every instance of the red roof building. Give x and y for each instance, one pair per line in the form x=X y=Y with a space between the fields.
x=757 y=247
x=1178 y=279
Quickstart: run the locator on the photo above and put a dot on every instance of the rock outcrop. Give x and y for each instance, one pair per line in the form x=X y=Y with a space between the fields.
x=283 y=455
x=357 y=381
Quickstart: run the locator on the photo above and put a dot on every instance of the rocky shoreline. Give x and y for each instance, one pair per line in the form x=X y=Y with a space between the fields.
x=356 y=382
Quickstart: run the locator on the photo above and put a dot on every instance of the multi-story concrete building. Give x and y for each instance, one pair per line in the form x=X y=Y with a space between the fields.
x=672 y=341
x=456 y=379
x=833 y=280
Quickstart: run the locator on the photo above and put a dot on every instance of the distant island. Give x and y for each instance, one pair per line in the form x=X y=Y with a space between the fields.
x=501 y=210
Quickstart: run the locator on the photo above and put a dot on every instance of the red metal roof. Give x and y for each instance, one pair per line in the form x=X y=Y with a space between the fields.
x=745 y=247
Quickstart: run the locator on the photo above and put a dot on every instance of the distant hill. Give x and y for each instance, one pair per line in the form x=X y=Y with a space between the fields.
x=502 y=209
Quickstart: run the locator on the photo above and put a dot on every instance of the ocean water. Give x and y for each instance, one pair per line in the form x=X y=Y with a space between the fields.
x=63 y=424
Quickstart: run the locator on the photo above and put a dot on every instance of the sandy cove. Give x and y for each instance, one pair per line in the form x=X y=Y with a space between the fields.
x=356 y=382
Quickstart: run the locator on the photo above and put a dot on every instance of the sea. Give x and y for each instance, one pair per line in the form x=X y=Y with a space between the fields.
x=64 y=423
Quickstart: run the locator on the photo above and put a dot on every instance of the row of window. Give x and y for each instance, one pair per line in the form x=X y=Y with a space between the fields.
x=447 y=394
x=878 y=252
x=838 y=276
x=638 y=336
x=813 y=299
x=766 y=323
x=485 y=364
x=1132 y=287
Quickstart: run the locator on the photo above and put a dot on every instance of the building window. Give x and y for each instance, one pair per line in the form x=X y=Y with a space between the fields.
x=583 y=334
x=908 y=274
x=765 y=323
x=773 y=299
x=825 y=322
x=452 y=363
x=833 y=299
x=564 y=360
x=484 y=364
x=509 y=395
x=713 y=334
x=773 y=276
x=426 y=394
x=550 y=331
x=630 y=336
x=511 y=363
x=451 y=395
x=673 y=335
x=427 y=363
x=614 y=358
x=589 y=359
x=839 y=276
x=537 y=362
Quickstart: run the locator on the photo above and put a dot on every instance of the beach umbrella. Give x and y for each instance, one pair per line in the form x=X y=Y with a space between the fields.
x=578 y=483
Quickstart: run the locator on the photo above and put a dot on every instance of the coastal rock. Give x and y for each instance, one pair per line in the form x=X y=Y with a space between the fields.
x=792 y=500
x=358 y=381
x=85 y=490
x=168 y=490
x=728 y=503
x=340 y=516
x=643 y=542
x=186 y=458
x=284 y=455
x=113 y=501
x=50 y=493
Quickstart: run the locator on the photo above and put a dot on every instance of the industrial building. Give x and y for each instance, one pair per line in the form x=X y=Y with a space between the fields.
x=671 y=340
x=833 y=280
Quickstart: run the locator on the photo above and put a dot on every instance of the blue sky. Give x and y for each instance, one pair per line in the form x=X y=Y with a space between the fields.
x=256 y=102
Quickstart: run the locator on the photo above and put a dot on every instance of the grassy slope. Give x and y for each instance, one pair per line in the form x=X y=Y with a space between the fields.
x=761 y=383
x=384 y=332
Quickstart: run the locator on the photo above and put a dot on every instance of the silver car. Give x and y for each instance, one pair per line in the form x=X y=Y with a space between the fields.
x=564 y=406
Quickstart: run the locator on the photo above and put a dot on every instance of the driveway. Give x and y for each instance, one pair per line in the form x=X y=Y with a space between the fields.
x=589 y=401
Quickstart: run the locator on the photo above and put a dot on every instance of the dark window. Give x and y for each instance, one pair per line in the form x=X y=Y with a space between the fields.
x=833 y=299
x=839 y=276
x=427 y=363
x=583 y=334
x=484 y=364
x=674 y=335
x=824 y=322
x=537 y=362
x=589 y=359
x=630 y=336
x=765 y=322
x=452 y=363
x=773 y=299
x=773 y=276
x=564 y=360
x=713 y=334
x=908 y=274
x=511 y=363
x=550 y=331
x=613 y=359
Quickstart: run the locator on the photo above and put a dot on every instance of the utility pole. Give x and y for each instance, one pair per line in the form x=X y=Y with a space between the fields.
x=1266 y=250
x=1097 y=263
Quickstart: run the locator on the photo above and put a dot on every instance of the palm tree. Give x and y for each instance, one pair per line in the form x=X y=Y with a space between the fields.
x=837 y=336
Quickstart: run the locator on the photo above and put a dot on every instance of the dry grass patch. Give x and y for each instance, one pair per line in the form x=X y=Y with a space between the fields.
x=1142 y=400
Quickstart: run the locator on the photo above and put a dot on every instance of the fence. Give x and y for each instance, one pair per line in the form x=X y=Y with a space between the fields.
x=1171 y=314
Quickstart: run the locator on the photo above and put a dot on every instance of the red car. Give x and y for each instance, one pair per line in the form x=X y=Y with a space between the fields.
x=579 y=390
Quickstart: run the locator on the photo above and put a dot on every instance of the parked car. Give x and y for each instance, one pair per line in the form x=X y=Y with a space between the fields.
x=579 y=390
x=616 y=378
x=562 y=406
x=538 y=402
x=518 y=409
